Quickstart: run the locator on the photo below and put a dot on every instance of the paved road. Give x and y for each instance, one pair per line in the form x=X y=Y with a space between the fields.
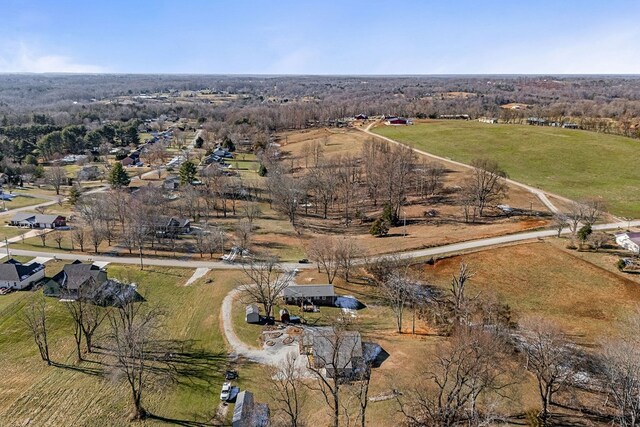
x=540 y=194
x=53 y=201
x=220 y=265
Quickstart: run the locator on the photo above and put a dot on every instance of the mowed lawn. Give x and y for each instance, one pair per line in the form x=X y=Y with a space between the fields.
x=573 y=163
x=85 y=394
x=542 y=280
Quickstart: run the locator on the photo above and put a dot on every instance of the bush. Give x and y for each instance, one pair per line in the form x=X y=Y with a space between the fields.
x=262 y=170
x=621 y=264
x=379 y=228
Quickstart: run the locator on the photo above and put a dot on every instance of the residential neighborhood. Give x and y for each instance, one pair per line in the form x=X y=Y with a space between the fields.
x=422 y=214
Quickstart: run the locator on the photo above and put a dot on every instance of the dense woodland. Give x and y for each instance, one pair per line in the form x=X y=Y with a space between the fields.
x=252 y=108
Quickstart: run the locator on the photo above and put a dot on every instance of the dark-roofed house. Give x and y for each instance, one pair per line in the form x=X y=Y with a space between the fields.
x=309 y=294
x=171 y=226
x=337 y=352
x=247 y=413
x=128 y=161
x=15 y=275
x=33 y=220
x=72 y=277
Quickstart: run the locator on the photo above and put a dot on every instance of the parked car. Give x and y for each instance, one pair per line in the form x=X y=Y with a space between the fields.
x=225 y=394
x=304 y=261
x=231 y=375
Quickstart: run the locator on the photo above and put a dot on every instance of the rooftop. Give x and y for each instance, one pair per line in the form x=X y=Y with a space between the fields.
x=308 y=291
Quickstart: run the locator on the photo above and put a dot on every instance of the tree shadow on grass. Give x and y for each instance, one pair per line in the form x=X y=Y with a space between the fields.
x=96 y=372
x=187 y=364
x=185 y=423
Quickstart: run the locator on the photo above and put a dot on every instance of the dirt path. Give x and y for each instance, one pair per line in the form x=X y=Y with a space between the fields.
x=268 y=356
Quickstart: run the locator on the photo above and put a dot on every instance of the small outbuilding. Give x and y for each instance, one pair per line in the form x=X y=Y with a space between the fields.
x=284 y=315
x=252 y=314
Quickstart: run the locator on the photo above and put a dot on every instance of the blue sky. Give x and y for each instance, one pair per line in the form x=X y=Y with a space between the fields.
x=321 y=37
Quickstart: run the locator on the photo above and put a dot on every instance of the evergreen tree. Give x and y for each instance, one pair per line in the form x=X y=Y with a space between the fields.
x=187 y=172
x=118 y=177
x=74 y=195
x=262 y=171
x=379 y=228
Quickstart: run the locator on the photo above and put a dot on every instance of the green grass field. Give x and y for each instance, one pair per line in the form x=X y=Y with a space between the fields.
x=83 y=394
x=573 y=163
x=21 y=201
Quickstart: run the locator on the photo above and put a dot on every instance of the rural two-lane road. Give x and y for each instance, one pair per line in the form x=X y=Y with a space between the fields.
x=434 y=251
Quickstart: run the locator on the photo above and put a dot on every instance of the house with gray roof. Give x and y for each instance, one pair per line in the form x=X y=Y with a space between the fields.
x=15 y=275
x=73 y=277
x=309 y=294
x=337 y=352
x=34 y=220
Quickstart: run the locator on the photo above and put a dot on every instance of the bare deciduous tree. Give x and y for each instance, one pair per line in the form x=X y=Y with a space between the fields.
x=472 y=367
x=621 y=369
x=78 y=236
x=347 y=251
x=133 y=328
x=58 y=237
x=55 y=176
x=560 y=221
x=289 y=392
x=396 y=290
x=548 y=357
x=323 y=250
x=487 y=183
x=35 y=317
x=266 y=283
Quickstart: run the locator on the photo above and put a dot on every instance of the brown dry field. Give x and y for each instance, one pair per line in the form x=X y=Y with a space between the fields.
x=544 y=279
x=447 y=227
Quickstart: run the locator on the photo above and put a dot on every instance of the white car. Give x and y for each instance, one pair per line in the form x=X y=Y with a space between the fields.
x=225 y=394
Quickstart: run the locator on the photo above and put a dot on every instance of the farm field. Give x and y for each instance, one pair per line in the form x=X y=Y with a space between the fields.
x=572 y=163
x=78 y=394
x=544 y=280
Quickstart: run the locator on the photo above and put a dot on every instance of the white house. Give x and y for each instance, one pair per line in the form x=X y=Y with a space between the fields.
x=14 y=275
x=629 y=241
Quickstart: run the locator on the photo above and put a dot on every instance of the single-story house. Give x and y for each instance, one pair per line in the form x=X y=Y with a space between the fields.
x=361 y=117
x=491 y=120
x=128 y=161
x=72 y=277
x=314 y=294
x=630 y=241
x=337 y=352
x=248 y=413
x=33 y=220
x=222 y=153
x=399 y=121
x=252 y=314
x=170 y=226
x=15 y=275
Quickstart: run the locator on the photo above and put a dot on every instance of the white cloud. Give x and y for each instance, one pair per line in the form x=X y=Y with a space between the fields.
x=22 y=58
